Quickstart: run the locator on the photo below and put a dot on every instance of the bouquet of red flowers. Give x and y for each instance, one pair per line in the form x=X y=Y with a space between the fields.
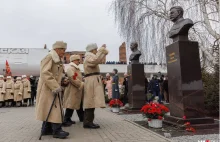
x=154 y=111
x=115 y=103
x=74 y=76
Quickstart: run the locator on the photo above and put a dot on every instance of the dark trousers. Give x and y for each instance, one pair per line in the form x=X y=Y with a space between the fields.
x=9 y=102
x=55 y=127
x=19 y=103
x=1 y=104
x=33 y=96
x=125 y=99
x=25 y=101
x=89 y=116
x=69 y=113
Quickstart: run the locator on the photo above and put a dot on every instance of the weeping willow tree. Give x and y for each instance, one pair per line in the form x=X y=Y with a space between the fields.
x=147 y=22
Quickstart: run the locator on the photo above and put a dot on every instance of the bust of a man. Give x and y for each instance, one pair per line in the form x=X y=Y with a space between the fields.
x=181 y=26
x=134 y=57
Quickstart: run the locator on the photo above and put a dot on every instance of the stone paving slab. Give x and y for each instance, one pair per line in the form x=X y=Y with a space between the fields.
x=19 y=125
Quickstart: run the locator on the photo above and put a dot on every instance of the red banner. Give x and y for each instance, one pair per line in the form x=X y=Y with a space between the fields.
x=7 y=67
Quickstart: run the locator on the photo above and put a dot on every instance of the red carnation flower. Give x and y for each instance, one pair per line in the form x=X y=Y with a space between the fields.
x=184 y=117
x=187 y=124
x=160 y=118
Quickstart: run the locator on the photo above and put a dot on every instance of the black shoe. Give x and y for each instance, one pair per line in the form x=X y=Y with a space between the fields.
x=47 y=132
x=60 y=134
x=96 y=125
x=70 y=121
x=67 y=124
x=91 y=126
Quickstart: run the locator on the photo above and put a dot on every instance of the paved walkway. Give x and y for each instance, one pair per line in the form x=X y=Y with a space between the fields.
x=19 y=125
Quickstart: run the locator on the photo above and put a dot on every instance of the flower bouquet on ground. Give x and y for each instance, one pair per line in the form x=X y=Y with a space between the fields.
x=115 y=104
x=155 y=113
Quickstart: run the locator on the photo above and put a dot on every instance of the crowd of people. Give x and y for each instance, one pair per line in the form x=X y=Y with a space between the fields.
x=157 y=86
x=17 y=91
x=57 y=91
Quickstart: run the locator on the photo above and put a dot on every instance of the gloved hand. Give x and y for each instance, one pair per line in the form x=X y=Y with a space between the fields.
x=57 y=90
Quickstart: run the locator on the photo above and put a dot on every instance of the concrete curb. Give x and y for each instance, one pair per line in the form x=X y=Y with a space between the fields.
x=169 y=140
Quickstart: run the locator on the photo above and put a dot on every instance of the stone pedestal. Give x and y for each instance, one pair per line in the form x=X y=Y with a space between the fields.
x=136 y=86
x=185 y=84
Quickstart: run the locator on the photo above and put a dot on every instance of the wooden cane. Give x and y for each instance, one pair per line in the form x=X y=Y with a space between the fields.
x=55 y=95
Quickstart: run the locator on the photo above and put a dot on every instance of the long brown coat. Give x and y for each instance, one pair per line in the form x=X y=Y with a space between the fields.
x=9 y=90
x=2 y=90
x=27 y=89
x=18 y=91
x=93 y=86
x=73 y=92
x=51 y=73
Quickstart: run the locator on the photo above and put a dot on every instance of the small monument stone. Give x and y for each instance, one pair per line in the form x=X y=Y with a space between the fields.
x=136 y=84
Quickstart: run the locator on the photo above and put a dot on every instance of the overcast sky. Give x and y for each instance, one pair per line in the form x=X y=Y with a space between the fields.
x=33 y=23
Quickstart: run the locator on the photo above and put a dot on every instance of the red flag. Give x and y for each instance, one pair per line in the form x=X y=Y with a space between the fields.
x=7 y=67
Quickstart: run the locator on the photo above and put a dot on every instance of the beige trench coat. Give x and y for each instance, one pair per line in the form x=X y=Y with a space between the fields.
x=9 y=90
x=93 y=86
x=18 y=91
x=51 y=72
x=2 y=90
x=27 y=89
x=74 y=91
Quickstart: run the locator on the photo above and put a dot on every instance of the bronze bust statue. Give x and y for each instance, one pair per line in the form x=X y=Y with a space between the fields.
x=135 y=55
x=181 y=26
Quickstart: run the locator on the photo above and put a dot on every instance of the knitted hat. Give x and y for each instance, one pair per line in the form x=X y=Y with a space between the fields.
x=23 y=76
x=74 y=57
x=8 y=77
x=91 y=47
x=59 y=44
x=18 y=78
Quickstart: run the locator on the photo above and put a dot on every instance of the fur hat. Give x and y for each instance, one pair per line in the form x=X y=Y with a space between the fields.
x=8 y=77
x=59 y=44
x=91 y=47
x=74 y=57
x=1 y=76
x=23 y=76
x=18 y=78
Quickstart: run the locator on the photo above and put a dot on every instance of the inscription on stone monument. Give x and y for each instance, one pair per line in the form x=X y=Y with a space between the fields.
x=172 y=58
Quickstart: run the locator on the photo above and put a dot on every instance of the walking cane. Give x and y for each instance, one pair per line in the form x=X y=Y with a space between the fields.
x=61 y=110
x=55 y=95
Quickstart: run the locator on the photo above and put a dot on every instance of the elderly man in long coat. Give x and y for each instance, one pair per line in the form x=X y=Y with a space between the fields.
x=18 y=92
x=2 y=90
x=9 y=91
x=74 y=91
x=93 y=87
x=51 y=73
x=27 y=90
